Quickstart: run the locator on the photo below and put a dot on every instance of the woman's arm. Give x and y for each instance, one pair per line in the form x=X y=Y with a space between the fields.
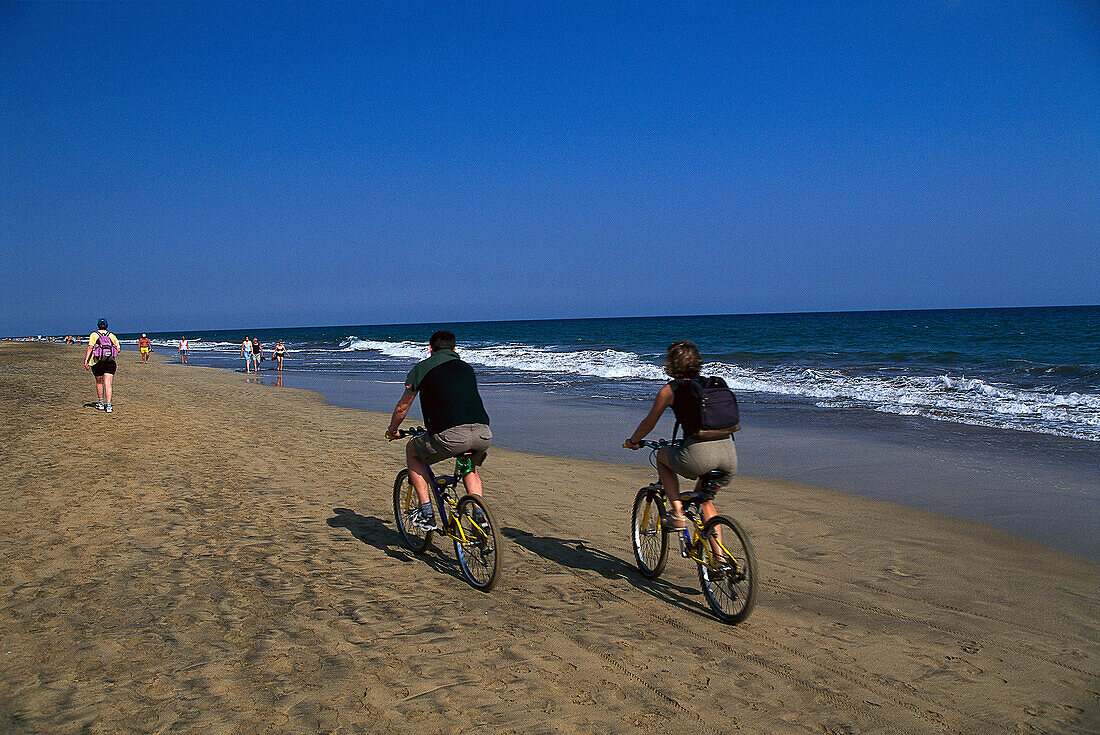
x=662 y=401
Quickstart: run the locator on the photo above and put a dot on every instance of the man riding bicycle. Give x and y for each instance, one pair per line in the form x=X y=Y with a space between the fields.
x=453 y=415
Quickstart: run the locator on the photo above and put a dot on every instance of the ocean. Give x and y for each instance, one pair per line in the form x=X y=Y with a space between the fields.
x=1034 y=370
x=988 y=414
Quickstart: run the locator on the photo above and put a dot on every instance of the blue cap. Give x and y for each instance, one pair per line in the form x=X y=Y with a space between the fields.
x=102 y=324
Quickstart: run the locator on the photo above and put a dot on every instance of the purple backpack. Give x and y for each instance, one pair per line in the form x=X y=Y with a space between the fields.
x=104 y=347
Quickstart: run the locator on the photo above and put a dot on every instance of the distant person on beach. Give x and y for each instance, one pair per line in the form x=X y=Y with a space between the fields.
x=144 y=345
x=246 y=353
x=279 y=353
x=182 y=351
x=100 y=359
x=257 y=353
x=453 y=415
x=70 y=340
x=696 y=456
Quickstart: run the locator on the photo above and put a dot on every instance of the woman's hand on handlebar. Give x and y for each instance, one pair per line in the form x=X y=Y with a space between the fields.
x=631 y=444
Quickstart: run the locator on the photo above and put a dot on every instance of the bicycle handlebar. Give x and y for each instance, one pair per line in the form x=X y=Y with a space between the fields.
x=402 y=433
x=653 y=445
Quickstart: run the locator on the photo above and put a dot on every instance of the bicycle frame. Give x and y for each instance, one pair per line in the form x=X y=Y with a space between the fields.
x=718 y=545
x=440 y=485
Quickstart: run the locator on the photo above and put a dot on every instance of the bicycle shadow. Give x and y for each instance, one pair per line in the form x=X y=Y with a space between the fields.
x=578 y=554
x=377 y=533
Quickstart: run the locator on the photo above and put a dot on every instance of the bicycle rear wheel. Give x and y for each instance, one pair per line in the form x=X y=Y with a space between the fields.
x=405 y=503
x=479 y=553
x=646 y=534
x=728 y=578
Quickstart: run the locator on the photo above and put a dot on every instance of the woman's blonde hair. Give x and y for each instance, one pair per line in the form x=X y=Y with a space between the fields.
x=683 y=360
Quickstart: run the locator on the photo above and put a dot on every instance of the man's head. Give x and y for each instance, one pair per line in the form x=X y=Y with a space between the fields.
x=442 y=340
x=102 y=324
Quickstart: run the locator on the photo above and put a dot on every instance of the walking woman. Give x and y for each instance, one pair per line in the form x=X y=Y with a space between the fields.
x=100 y=359
x=280 y=353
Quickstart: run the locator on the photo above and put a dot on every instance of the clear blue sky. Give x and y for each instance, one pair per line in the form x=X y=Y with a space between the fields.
x=195 y=165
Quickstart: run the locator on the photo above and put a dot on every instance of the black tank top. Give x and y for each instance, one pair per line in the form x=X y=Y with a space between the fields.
x=449 y=397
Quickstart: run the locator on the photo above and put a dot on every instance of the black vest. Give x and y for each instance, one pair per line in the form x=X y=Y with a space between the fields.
x=449 y=397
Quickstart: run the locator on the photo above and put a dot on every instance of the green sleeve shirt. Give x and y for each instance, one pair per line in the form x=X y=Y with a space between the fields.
x=420 y=369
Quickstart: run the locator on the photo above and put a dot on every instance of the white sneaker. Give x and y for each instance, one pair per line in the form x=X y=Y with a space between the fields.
x=108 y=408
x=422 y=522
x=99 y=405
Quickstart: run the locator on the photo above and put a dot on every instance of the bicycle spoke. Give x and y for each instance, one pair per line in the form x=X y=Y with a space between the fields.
x=646 y=534
x=728 y=578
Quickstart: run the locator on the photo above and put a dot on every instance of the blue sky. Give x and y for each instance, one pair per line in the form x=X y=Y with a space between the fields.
x=199 y=166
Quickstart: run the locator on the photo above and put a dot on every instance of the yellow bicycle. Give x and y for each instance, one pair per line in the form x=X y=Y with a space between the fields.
x=719 y=546
x=466 y=521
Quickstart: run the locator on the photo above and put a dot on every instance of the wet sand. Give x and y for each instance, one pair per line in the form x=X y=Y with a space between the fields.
x=220 y=556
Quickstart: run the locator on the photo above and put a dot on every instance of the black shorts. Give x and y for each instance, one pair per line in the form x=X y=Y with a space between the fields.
x=106 y=365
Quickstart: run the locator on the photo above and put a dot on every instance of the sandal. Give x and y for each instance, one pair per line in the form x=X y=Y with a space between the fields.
x=673 y=523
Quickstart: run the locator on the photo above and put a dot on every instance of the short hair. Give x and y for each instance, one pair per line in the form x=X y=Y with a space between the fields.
x=442 y=340
x=683 y=360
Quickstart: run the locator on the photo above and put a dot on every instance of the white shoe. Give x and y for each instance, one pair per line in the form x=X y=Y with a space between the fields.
x=109 y=409
x=422 y=522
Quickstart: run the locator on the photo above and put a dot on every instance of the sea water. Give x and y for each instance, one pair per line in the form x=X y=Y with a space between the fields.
x=986 y=414
x=1034 y=370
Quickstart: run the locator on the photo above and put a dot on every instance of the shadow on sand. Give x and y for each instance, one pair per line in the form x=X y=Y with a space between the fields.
x=581 y=556
x=380 y=535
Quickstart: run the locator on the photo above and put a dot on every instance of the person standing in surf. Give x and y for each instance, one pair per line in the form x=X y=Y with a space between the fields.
x=246 y=353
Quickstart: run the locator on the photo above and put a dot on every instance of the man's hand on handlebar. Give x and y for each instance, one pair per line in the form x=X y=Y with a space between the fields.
x=392 y=434
x=631 y=444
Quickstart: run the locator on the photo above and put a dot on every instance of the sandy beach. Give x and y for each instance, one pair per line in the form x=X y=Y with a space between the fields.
x=219 y=556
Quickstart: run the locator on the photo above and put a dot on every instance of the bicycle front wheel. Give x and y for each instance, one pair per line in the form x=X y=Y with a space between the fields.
x=477 y=543
x=405 y=503
x=646 y=534
x=728 y=578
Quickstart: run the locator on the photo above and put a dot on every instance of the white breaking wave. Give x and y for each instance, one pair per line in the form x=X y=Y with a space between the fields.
x=592 y=363
x=945 y=398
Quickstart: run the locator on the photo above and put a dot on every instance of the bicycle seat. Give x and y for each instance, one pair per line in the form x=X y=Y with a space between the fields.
x=716 y=475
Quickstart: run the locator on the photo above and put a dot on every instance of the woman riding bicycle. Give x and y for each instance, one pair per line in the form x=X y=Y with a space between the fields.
x=696 y=456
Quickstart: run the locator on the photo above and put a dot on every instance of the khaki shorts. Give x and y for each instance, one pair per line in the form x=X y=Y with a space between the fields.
x=695 y=458
x=432 y=448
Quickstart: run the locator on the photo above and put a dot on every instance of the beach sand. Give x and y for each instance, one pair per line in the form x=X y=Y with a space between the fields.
x=219 y=556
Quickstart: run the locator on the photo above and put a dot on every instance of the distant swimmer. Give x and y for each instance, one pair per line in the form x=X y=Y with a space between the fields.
x=100 y=359
x=182 y=351
x=246 y=353
x=279 y=353
x=144 y=345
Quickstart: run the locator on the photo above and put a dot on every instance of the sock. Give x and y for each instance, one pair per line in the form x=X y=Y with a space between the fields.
x=426 y=510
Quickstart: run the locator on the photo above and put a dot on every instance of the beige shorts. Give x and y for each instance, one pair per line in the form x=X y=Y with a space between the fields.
x=694 y=458
x=432 y=448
